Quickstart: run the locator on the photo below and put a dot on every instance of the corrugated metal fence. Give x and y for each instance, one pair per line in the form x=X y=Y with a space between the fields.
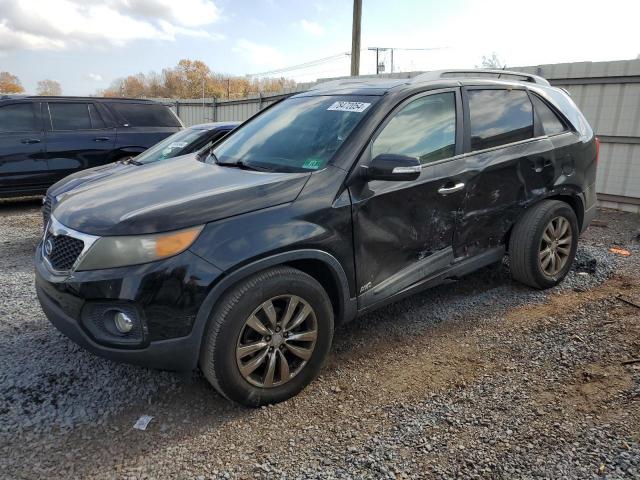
x=608 y=93
x=206 y=110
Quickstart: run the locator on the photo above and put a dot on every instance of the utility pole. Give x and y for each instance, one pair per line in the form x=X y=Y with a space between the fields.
x=355 y=38
x=377 y=49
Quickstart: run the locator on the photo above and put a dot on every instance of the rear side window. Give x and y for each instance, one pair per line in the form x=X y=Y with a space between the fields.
x=551 y=124
x=69 y=116
x=499 y=117
x=145 y=115
x=96 y=118
x=424 y=128
x=18 y=117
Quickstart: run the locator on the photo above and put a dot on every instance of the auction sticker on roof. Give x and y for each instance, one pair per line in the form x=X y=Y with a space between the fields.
x=349 y=106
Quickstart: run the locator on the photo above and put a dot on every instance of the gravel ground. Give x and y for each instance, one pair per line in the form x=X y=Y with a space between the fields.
x=478 y=378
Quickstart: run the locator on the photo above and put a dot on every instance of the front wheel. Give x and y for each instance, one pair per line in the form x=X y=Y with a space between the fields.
x=543 y=244
x=268 y=337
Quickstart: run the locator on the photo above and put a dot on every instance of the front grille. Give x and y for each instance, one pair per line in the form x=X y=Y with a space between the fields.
x=64 y=251
x=46 y=211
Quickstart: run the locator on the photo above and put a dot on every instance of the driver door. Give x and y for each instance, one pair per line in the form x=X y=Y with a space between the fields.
x=404 y=229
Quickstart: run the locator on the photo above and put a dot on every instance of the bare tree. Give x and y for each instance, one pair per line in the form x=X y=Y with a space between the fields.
x=49 y=87
x=492 y=62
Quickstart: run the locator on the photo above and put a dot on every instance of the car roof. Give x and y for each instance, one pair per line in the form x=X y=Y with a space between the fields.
x=70 y=98
x=214 y=126
x=426 y=81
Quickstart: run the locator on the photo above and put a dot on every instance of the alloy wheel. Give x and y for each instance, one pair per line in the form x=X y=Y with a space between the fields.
x=555 y=246
x=276 y=341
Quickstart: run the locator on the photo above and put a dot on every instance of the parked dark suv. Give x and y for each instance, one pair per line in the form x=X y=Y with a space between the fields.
x=192 y=139
x=322 y=207
x=43 y=139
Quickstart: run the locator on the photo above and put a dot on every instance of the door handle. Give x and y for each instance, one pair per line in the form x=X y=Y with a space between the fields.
x=30 y=140
x=453 y=189
x=101 y=139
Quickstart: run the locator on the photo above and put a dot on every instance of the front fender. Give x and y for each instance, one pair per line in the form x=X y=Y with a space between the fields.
x=347 y=305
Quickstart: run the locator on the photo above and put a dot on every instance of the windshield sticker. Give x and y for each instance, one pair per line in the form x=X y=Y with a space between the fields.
x=178 y=145
x=349 y=107
x=312 y=164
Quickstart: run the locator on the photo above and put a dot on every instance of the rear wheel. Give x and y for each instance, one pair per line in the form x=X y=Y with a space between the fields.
x=268 y=337
x=543 y=244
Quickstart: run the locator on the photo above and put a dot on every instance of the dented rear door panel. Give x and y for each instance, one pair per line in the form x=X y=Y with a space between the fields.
x=506 y=180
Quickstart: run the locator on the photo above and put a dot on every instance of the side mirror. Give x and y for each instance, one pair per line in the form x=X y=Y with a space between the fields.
x=387 y=166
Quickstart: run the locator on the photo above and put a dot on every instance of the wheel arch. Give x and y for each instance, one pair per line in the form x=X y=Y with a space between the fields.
x=575 y=201
x=320 y=265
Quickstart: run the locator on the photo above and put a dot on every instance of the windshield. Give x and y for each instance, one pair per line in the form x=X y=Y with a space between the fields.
x=177 y=144
x=296 y=135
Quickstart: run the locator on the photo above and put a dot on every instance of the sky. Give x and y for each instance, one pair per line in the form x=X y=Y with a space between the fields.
x=86 y=44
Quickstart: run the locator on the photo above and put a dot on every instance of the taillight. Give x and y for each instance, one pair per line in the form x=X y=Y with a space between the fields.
x=597 y=149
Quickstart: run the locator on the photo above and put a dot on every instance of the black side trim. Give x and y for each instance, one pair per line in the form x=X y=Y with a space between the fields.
x=406 y=277
x=457 y=270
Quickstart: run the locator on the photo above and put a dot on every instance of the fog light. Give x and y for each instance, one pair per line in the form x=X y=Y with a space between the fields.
x=124 y=323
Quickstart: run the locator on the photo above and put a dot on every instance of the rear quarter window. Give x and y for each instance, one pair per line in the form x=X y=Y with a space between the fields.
x=145 y=115
x=551 y=124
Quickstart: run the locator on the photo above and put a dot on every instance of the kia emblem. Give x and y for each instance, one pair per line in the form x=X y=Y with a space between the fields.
x=48 y=247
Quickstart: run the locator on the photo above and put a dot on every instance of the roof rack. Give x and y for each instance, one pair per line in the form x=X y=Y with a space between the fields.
x=481 y=73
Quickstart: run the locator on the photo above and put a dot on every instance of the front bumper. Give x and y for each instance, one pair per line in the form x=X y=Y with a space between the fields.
x=168 y=294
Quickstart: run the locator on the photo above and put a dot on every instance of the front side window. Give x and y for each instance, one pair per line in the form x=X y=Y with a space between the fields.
x=296 y=135
x=499 y=117
x=69 y=116
x=18 y=117
x=551 y=124
x=424 y=128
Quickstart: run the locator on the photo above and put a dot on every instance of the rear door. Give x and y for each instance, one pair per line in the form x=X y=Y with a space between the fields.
x=513 y=164
x=404 y=230
x=23 y=163
x=77 y=137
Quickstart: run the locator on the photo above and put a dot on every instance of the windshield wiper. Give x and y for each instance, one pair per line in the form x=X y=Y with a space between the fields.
x=243 y=165
x=131 y=161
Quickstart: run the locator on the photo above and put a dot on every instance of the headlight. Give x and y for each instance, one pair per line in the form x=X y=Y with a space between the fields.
x=110 y=252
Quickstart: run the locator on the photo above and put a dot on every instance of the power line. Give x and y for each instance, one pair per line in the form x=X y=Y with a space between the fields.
x=386 y=49
x=300 y=66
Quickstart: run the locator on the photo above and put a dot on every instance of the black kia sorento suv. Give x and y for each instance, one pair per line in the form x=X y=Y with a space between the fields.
x=242 y=260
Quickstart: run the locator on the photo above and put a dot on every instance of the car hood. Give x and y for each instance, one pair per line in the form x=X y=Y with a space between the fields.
x=83 y=177
x=172 y=194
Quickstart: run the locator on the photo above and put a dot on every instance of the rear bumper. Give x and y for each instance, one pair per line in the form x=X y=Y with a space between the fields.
x=589 y=215
x=590 y=205
x=174 y=354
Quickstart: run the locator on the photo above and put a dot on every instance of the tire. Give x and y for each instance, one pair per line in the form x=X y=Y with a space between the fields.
x=229 y=330
x=529 y=249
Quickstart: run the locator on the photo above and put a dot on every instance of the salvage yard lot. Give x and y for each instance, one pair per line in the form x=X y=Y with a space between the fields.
x=482 y=377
